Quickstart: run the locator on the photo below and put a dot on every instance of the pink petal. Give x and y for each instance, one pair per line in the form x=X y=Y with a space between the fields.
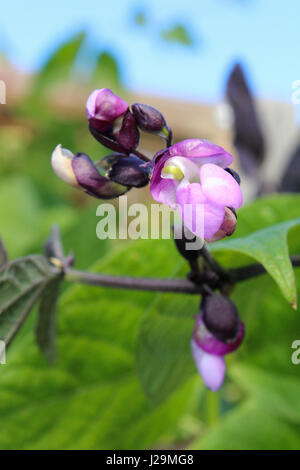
x=211 y=368
x=163 y=190
x=220 y=187
x=198 y=214
x=201 y=151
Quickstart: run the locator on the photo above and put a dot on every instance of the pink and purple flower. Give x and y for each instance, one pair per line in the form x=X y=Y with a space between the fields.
x=192 y=173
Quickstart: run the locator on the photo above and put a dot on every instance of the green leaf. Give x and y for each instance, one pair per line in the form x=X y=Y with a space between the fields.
x=106 y=73
x=163 y=353
x=250 y=427
x=59 y=66
x=91 y=395
x=46 y=326
x=270 y=248
x=21 y=283
x=3 y=254
x=177 y=34
x=277 y=392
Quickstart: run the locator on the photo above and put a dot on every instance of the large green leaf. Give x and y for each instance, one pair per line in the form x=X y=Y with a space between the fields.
x=163 y=353
x=91 y=398
x=270 y=248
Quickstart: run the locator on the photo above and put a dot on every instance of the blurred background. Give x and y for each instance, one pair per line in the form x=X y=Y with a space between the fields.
x=223 y=70
x=227 y=66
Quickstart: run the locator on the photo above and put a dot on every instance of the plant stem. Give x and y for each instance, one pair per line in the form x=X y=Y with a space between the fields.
x=126 y=282
x=212 y=407
x=212 y=263
x=164 y=285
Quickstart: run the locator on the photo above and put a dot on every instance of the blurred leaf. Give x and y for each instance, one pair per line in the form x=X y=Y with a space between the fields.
x=25 y=222
x=21 y=283
x=91 y=394
x=277 y=392
x=3 y=254
x=106 y=73
x=80 y=238
x=177 y=34
x=248 y=139
x=46 y=326
x=291 y=178
x=59 y=66
x=269 y=247
x=163 y=355
x=140 y=18
x=250 y=427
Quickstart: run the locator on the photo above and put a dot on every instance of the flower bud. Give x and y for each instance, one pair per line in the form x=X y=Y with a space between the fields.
x=129 y=171
x=228 y=225
x=209 y=351
x=80 y=171
x=128 y=135
x=220 y=316
x=148 y=118
x=103 y=107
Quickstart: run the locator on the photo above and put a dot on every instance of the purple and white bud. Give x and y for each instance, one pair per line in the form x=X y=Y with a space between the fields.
x=148 y=118
x=80 y=171
x=103 y=107
x=208 y=352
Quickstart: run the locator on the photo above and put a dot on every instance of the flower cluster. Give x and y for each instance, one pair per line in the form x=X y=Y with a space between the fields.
x=191 y=174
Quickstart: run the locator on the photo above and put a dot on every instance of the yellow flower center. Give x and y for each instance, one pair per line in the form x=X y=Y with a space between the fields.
x=173 y=171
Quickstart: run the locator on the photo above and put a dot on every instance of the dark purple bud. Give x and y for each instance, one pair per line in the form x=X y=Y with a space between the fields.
x=91 y=181
x=234 y=174
x=148 y=118
x=129 y=171
x=108 y=161
x=220 y=316
x=105 y=139
x=128 y=135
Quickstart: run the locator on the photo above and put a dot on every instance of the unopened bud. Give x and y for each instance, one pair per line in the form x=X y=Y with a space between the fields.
x=129 y=171
x=128 y=135
x=148 y=118
x=228 y=225
x=220 y=316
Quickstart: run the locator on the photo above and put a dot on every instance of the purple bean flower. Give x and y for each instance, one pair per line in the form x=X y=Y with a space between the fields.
x=209 y=352
x=192 y=174
x=103 y=107
x=80 y=171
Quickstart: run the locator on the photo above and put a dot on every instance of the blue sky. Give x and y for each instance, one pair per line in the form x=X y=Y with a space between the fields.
x=263 y=34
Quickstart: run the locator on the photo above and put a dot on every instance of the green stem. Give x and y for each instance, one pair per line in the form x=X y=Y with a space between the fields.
x=212 y=408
